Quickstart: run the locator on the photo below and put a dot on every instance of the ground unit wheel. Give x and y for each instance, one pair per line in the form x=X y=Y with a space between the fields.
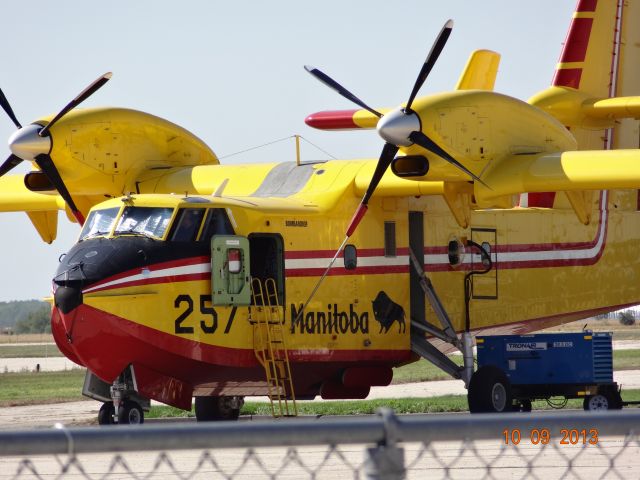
x=210 y=409
x=489 y=391
x=106 y=413
x=130 y=413
x=596 y=402
x=522 y=405
x=609 y=400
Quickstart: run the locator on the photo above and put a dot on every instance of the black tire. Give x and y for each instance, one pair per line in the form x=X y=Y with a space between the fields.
x=489 y=391
x=603 y=400
x=615 y=399
x=595 y=403
x=106 y=413
x=211 y=409
x=130 y=413
x=525 y=405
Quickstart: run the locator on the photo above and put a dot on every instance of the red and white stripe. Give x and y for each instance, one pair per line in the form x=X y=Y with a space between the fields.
x=195 y=268
x=311 y=263
x=373 y=261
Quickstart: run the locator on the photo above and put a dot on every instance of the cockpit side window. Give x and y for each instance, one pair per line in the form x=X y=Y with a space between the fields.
x=100 y=222
x=187 y=224
x=147 y=221
x=216 y=223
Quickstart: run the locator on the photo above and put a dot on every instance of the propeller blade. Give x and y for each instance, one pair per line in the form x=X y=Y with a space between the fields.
x=7 y=108
x=331 y=83
x=425 y=142
x=430 y=61
x=9 y=164
x=386 y=157
x=49 y=169
x=388 y=154
x=86 y=93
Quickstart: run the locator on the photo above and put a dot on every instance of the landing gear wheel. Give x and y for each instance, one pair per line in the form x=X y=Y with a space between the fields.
x=489 y=391
x=210 y=409
x=106 y=413
x=130 y=413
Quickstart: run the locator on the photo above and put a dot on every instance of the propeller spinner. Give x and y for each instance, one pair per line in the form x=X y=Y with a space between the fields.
x=33 y=143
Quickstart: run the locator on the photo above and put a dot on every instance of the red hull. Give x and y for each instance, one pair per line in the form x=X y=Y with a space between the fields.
x=169 y=368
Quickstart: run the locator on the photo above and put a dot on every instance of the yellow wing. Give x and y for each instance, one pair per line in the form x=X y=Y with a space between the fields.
x=562 y=171
x=42 y=208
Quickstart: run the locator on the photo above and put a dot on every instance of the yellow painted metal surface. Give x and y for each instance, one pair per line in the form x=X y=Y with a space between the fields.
x=14 y=197
x=577 y=170
x=552 y=265
x=366 y=119
x=480 y=71
x=46 y=224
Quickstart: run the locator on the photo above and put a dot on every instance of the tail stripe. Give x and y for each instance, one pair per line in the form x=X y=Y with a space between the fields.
x=577 y=40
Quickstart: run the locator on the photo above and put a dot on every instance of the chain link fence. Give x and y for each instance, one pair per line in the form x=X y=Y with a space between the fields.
x=543 y=446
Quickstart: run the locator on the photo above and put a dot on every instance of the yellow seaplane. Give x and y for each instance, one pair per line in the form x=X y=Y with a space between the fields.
x=293 y=280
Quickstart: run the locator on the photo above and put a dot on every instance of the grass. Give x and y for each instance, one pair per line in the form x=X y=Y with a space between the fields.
x=620 y=332
x=38 y=388
x=626 y=359
x=448 y=403
x=29 y=351
x=27 y=388
x=444 y=404
x=423 y=371
x=26 y=338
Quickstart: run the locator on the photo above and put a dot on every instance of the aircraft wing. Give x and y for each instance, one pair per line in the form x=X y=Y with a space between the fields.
x=14 y=197
x=42 y=208
x=562 y=171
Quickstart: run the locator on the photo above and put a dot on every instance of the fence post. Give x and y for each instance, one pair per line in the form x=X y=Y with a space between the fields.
x=385 y=461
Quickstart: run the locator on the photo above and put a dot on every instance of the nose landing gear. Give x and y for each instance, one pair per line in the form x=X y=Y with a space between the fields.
x=122 y=404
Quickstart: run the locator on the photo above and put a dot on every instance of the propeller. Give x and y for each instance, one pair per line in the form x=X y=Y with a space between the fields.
x=33 y=143
x=399 y=128
x=9 y=163
x=82 y=96
x=430 y=61
x=331 y=83
x=6 y=106
x=420 y=138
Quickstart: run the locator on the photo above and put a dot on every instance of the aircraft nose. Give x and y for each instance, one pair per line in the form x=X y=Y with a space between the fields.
x=396 y=126
x=68 y=298
x=26 y=144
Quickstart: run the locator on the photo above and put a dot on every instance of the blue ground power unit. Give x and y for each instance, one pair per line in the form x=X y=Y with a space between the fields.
x=553 y=358
x=513 y=370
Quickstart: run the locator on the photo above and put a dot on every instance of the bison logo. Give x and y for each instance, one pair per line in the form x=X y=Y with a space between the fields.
x=386 y=312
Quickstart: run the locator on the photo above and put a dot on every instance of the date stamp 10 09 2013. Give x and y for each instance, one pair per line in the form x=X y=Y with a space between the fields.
x=543 y=436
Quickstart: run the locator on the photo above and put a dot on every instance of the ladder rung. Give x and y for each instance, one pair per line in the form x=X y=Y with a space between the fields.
x=270 y=346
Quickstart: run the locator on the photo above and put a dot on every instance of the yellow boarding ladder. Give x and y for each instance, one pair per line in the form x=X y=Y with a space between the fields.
x=270 y=347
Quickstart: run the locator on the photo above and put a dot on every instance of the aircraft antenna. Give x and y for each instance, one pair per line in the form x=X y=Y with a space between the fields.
x=297 y=138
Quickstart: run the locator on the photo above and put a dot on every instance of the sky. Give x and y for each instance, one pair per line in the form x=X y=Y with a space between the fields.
x=232 y=73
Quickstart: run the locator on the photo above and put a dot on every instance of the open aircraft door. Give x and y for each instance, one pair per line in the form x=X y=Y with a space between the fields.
x=230 y=270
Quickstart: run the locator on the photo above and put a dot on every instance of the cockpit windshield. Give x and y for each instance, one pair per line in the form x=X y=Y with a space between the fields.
x=146 y=221
x=100 y=222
